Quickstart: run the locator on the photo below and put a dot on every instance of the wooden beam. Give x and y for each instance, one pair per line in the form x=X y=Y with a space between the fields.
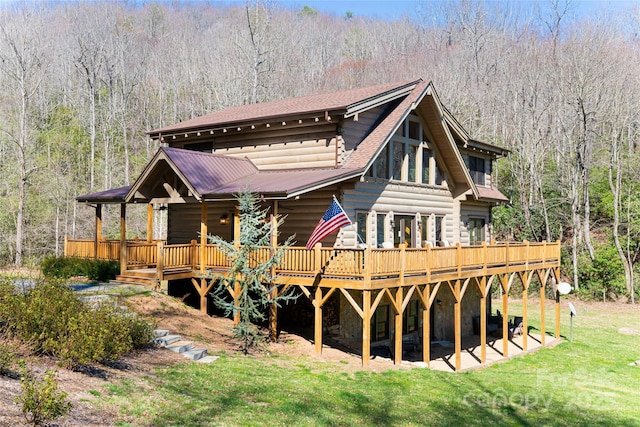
x=123 y=238
x=203 y=236
x=505 y=315
x=525 y=278
x=149 y=222
x=398 y=325
x=483 y=319
x=556 y=279
x=354 y=304
x=273 y=309
x=426 y=326
x=317 y=329
x=98 y=231
x=542 y=302
x=457 y=324
x=366 y=328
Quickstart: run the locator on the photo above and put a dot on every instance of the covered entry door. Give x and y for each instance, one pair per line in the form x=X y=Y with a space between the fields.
x=403 y=230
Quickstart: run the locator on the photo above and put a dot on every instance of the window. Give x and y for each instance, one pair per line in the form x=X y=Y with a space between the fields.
x=414 y=130
x=426 y=159
x=439 y=228
x=380 y=323
x=439 y=178
x=398 y=160
x=477 y=169
x=476 y=231
x=380 y=230
x=380 y=168
x=410 y=317
x=413 y=154
x=361 y=219
x=424 y=228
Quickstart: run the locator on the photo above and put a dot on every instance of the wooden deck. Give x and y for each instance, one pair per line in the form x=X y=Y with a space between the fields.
x=356 y=269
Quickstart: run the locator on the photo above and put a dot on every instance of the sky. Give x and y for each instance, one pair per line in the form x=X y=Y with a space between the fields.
x=395 y=9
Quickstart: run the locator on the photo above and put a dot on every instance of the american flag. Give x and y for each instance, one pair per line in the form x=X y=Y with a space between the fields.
x=332 y=219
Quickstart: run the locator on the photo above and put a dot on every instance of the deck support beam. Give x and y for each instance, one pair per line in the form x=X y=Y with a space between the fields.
x=398 y=326
x=457 y=323
x=149 y=222
x=504 y=282
x=482 y=284
x=317 y=326
x=273 y=308
x=98 y=232
x=426 y=325
x=543 y=332
x=123 y=238
x=526 y=278
x=366 y=328
x=556 y=277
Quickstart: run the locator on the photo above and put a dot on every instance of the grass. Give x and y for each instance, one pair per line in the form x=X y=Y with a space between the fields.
x=587 y=382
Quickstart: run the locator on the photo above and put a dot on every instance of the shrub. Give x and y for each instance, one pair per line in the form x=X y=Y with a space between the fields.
x=7 y=358
x=53 y=320
x=41 y=399
x=66 y=267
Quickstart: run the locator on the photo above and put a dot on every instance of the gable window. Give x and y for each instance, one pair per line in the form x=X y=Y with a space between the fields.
x=398 y=160
x=426 y=167
x=380 y=323
x=477 y=169
x=380 y=166
x=412 y=157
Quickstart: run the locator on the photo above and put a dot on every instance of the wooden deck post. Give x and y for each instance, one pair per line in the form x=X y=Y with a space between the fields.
x=160 y=263
x=366 y=328
x=398 y=326
x=526 y=278
x=123 y=238
x=457 y=323
x=556 y=275
x=149 y=222
x=98 y=231
x=203 y=236
x=317 y=328
x=426 y=326
x=542 y=302
x=504 y=282
x=483 y=318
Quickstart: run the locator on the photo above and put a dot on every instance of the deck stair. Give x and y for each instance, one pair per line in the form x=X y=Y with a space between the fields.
x=147 y=277
x=176 y=344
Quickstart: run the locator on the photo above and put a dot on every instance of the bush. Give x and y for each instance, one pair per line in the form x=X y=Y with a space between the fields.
x=7 y=358
x=53 y=320
x=41 y=399
x=603 y=276
x=66 y=267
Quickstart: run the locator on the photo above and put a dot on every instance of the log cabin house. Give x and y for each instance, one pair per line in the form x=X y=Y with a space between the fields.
x=416 y=265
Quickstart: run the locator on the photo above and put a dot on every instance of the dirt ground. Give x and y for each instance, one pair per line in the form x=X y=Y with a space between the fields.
x=212 y=333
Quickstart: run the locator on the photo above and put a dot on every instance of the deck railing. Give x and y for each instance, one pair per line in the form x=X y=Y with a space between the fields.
x=348 y=263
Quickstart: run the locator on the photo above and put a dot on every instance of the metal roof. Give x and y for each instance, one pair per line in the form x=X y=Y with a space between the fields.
x=336 y=101
x=114 y=195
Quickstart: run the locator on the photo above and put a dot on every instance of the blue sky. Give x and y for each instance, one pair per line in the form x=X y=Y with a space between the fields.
x=390 y=9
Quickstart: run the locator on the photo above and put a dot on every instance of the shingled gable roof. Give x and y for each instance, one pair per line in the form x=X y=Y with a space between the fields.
x=348 y=102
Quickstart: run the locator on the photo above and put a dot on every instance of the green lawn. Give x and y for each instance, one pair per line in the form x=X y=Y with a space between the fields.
x=587 y=382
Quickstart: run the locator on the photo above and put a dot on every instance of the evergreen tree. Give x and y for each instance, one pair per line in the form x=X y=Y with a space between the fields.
x=251 y=276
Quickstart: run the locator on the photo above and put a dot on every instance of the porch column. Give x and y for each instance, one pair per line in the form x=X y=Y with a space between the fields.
x=505 y=314
x=366 y=328
x=398 y=326
x=542 y=300
x=317 y=328
x=203 y=261
x=149 y=222
x=123 y=238
x=483 y=319
x=456 y=323
x=98 y=233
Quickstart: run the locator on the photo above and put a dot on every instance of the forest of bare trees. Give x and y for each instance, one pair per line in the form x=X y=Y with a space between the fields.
x=81 y=83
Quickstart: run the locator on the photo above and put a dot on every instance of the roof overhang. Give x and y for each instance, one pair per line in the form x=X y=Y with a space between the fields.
x=114 y=195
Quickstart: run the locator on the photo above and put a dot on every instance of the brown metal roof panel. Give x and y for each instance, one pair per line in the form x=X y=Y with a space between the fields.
x=491 y=193
x=285 y=107
x=285 y=183
x=114 y=195
x=206 y=170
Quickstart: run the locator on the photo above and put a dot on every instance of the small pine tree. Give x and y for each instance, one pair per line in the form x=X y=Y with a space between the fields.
x=252 y=260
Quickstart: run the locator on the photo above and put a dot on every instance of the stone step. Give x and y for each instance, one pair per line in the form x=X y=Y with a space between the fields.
x=180 y=346
x=208 y=359
x=167 y=340
x=195 y=353
x=157 y=333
